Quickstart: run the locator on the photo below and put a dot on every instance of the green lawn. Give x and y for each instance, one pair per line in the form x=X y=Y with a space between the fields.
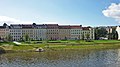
x=61 y=47
x=80 y=42
x=58 y=45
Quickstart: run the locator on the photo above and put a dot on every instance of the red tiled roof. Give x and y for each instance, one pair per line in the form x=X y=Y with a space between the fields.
x=27 y=26
x=64 y=27
x=85 y=28
x=76 y=27
x=52 y=26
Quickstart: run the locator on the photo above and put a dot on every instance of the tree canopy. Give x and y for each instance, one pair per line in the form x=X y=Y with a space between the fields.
x=100 y=32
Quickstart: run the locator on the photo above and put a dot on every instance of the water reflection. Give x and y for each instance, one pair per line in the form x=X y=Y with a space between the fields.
x=65 y=58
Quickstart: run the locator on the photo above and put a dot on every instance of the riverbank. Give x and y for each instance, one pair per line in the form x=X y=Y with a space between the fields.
x=28 y=48
x=63 y=45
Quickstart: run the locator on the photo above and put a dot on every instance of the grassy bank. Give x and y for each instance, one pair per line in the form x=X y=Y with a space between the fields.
x=64 y=47
x=61 y=45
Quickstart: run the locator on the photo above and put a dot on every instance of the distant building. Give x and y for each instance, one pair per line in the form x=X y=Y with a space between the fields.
x=16 y=32
x=35 y=32
x=52 y=31
x=39 y=32
x=46 y=31
x=88 y=31
x=64 y=32
x=76 y=32
x=4 y=32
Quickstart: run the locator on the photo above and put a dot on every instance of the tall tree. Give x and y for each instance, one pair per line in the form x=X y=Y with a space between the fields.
x=21 y=39
x=26 y=37
x=83 y=36
x=9 y=37
x=87 y=36
x=113 y=35
x=100 y=32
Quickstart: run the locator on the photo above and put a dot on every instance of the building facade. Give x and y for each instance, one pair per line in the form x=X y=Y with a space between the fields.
x=88 y=33
x=16 y=32
x=64 y=32
x=76 y=32
x=46 y=32
x=118 y=31
x=52 y=31
x=40 y=32
x=4 y=32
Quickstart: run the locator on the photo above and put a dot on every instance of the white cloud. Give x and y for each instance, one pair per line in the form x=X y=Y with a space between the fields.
x=113 y=11
x=5 y=18
x=9 y=20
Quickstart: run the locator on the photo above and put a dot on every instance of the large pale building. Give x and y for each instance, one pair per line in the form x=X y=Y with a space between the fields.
x=64 y=32
x=4 y=32
x=16 y=32
x=76 y=32
x=118 y=31
x=39 y=32
x=46 y=32
x=35 y=32
x=52 y=31
x=27 y=29
x=88 y=31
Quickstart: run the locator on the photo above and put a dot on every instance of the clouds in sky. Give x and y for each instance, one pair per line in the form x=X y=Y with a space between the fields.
x=9 y=20
x=113 y=11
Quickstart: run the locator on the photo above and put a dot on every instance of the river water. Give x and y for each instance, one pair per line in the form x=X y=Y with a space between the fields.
x=65 y=58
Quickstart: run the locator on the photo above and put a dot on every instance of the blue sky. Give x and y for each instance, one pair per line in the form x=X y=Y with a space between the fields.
x=82 y=12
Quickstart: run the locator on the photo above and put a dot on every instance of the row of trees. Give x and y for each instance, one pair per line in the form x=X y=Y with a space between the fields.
x=102 y=32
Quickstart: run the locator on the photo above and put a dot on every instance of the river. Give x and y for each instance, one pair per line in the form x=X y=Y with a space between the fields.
x=65 y=58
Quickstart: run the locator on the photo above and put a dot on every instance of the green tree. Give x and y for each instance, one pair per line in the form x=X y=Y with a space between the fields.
x=87 y=36
x=21 y=39
x=100 y=32
x=110 y=36
x=26 y=37
x=116 y=35
x=9 y=37
x=113 y=35
x=83 y=36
